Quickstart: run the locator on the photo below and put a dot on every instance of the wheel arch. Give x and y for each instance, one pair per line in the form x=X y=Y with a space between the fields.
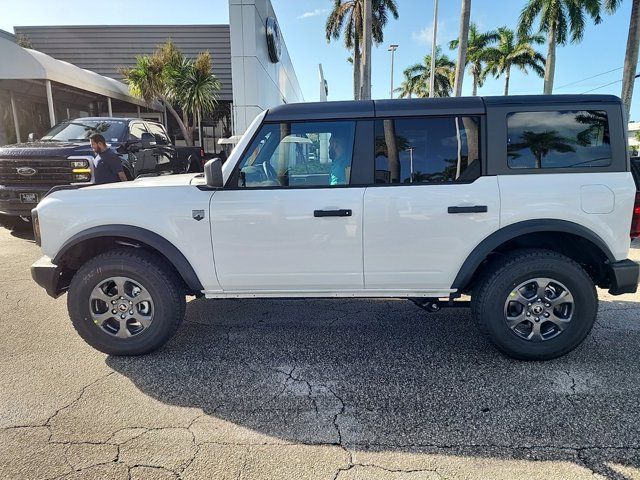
x=553 y=234
x=84 y=245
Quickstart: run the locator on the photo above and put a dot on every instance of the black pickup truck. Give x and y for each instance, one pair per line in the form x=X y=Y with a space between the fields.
x=63 y=156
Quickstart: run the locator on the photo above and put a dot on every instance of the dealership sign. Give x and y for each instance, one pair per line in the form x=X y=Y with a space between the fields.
x=274 y=43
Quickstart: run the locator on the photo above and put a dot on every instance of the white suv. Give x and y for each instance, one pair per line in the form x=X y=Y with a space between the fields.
x=523 y=203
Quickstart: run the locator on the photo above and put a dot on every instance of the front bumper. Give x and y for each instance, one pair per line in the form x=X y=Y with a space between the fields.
x=49 y=276
x=10 y=203
x=624 y=277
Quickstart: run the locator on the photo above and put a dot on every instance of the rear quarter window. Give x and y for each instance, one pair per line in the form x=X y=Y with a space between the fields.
x=558 y=139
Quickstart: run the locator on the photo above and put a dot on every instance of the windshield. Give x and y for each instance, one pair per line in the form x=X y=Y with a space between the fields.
x=79 y=130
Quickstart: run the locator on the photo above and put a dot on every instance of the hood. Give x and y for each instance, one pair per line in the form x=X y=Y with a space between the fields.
x=150 y=182
x=47 y=149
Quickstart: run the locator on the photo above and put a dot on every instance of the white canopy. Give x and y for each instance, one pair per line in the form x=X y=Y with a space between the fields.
x=24 y=64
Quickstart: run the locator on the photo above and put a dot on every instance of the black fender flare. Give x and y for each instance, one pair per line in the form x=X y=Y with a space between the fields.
x=493 y=241
x=142 y=235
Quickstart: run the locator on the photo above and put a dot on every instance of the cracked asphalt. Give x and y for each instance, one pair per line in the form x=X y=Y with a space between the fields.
x=310 y=389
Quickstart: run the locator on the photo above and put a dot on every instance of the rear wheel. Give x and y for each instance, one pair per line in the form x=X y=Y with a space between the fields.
x=535 y=304
x=126 y=302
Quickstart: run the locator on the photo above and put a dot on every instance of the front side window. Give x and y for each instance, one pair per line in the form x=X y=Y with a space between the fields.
x=427 y=150
x=558 y=139
x=317 y=154
x=136 y=130
x=158 y=132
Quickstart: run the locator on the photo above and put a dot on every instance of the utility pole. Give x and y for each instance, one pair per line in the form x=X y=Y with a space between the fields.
x=366 y=51
x=432 y=79
x=392 y=49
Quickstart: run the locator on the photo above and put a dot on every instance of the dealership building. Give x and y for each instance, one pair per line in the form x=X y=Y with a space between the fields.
x=73 y=71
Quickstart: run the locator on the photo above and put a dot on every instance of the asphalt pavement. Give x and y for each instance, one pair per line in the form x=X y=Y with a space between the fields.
x=310 y=389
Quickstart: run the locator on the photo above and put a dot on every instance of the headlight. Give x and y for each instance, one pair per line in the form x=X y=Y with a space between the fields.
x=82 y=177
x=36 y=226
x=80 y=164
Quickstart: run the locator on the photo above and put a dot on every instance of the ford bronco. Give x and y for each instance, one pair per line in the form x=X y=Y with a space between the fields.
x=523 y=203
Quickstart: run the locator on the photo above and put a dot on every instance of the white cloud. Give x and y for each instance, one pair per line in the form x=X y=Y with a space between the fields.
x=423 y=37
x=313 y=13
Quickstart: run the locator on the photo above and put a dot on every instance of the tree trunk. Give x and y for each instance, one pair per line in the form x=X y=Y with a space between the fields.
x=507 y=77
x=473 y=134
x=367 y=29
x=462 y=47
x=475 y=84
x=550 y=64
x=392 y=151
x=357 y=60
x=189 y=138
x=183 y=127
x=631 y=56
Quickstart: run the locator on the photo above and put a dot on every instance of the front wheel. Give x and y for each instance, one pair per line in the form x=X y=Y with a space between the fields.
x=126 y=302
x=535 y=304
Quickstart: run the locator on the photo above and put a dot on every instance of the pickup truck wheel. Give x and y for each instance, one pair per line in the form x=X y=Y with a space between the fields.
x=126 y=302
x=535 y=304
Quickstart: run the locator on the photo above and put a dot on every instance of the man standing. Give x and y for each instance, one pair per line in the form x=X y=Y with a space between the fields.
x=107 y=167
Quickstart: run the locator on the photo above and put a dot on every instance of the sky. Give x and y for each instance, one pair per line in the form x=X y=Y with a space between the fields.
x=600 y=55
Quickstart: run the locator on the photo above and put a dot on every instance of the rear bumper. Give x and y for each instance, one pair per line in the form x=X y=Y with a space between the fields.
x=48 y=275
x=624 y=277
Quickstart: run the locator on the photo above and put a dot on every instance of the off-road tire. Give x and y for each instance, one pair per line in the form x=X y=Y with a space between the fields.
x=159 y=279
x=508 y=271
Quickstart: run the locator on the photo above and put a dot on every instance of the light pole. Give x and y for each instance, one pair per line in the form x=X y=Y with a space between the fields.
x=392 y=49
x=432 y=79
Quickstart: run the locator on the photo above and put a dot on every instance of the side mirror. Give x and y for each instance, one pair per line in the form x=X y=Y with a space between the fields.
x=147 y=140
x=213 y=173
x=31 y=137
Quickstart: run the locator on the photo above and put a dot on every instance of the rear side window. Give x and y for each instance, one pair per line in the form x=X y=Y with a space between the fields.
x=558 y=139
x=427 y=150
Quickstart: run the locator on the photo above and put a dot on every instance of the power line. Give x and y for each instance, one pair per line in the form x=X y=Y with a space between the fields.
x=588 y=78
x=607 y=84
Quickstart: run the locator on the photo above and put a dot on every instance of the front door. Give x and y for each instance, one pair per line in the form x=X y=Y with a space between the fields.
x=429 y=206
x=288 y=220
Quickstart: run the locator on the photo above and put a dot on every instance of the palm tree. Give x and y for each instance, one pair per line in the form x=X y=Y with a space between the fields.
x=196 y=88
x=407 y=87
x=560 y=20
x=541 y=144
x=477 y=48
x=346 y=18
x=631 y=54
x=417 y=77
x=514 y=52
x=461 y=64
x=176 y=82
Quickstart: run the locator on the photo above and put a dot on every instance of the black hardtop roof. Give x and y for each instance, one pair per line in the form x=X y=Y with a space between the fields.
x=419 y=106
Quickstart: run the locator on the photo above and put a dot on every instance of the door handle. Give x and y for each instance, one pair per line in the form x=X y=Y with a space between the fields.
x=343 y=212
x=473 y=209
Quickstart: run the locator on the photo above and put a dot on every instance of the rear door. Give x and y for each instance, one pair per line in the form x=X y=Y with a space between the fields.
x=289 y=218
x=429 y=206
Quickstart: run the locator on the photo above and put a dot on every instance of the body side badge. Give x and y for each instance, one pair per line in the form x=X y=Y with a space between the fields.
x=197 y=214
